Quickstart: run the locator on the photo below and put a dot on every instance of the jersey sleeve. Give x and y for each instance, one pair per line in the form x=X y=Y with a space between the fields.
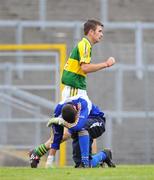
x=58 y=109
x=95 y=111
x=84 y=52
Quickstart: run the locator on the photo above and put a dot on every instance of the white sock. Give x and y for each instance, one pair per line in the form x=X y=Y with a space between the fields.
x=50 y=161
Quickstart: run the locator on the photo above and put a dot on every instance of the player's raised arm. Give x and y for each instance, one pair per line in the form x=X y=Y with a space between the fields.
x=88 y=68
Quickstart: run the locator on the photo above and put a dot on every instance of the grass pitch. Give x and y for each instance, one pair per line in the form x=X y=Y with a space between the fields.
x=136 y=172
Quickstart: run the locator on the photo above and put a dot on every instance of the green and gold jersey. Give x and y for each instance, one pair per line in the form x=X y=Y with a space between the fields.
x=72 y=74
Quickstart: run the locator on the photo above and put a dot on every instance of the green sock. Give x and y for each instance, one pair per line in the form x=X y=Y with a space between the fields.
x=41 y=150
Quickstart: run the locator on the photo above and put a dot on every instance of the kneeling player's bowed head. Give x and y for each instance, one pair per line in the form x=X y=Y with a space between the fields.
x=69 y=113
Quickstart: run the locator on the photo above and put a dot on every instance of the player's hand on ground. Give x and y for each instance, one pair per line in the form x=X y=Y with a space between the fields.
x=110 y=61
x=59 y=121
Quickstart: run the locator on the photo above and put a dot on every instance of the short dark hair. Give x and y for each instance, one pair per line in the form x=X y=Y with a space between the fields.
x=69 y=113
x=91 y=24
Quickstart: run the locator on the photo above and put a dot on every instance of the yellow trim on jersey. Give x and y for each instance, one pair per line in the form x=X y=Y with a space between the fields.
x=84 y=48
x=74 y=67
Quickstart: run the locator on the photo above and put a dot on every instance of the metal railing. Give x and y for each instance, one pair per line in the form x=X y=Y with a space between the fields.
x=15 y=96
x=76 y=26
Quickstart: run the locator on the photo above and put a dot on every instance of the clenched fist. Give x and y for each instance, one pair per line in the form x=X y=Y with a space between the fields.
x=110 y=61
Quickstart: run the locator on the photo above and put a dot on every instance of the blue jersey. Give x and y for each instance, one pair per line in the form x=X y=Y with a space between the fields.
x=86 y=109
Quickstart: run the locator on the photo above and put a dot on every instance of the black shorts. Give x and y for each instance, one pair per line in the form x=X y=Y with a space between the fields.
x=95 y=126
